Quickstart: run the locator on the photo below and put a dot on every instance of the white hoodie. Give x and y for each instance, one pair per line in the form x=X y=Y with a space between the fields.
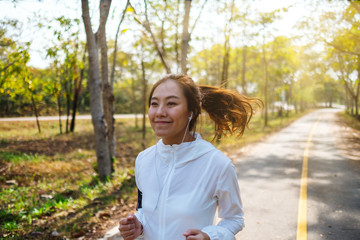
x=182 y=185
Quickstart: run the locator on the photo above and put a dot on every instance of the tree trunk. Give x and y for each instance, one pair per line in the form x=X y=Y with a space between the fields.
x=75 y=103
x=357 y=89
x=66 y=87
x=77 y=91
x=243 y=71
x=59 y=101
x=144 y=102
x=96 y=106
x=347 y=104
x=353 y=96
x=162 y=33
x=107 y=91
x=226 y=61
x=59 y=111
x=36 y=112
x=112 y=75
x=133 y=98
x=177 y=36
x=68 y=104
x=185 y=37
x=266 y=97
x=225 y=68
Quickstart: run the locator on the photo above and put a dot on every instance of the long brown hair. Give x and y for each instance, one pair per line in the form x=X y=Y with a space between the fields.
x=230 y=110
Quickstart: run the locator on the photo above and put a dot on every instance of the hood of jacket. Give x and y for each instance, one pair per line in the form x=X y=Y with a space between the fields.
x=184 y=152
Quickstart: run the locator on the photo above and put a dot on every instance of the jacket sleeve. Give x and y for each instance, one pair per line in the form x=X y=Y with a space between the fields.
x=139 y=213
x=229 y=206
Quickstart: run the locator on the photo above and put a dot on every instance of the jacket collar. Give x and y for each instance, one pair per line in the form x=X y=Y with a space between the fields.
x=184 y=152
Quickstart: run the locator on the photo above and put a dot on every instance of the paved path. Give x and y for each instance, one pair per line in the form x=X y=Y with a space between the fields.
x=270 y=176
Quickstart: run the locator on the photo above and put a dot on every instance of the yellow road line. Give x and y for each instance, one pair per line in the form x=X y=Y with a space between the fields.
x=302 y=211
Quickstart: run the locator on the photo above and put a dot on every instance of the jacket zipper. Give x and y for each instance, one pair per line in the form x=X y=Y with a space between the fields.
x=164 y=196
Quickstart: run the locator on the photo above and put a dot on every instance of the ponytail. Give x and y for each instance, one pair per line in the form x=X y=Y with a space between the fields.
x=230 y=110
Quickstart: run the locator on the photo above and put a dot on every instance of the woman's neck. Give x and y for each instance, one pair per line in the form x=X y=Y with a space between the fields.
x=187 y=138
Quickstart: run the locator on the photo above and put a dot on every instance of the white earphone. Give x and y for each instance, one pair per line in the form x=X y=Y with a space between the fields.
x=191 y=116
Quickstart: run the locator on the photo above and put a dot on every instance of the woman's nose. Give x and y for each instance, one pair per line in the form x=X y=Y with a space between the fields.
x=161 y=111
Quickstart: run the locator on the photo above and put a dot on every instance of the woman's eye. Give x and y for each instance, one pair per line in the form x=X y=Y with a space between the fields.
x=154 y=104
x=172 y=103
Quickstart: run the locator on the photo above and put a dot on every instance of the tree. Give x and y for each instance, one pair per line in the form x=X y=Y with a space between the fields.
x=20 y=91
x=283 y=66
x=78 y=83
x=227 y=33
x=160 y=44
x=146 y=24
x=185 y=37
x=32 y=88
x=266 y=19
x=68 y=65
x=104 y=164
x=207 y=65
x=108 y=86
x=345 y=48
x=243 y=18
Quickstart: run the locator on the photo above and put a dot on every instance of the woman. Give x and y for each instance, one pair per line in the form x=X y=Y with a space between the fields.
x=183 y=179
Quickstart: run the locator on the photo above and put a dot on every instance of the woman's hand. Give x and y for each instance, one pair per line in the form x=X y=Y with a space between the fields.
x=130 y=228
x=195 y=234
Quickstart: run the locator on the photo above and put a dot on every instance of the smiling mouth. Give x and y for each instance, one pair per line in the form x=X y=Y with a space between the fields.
x=162 y=122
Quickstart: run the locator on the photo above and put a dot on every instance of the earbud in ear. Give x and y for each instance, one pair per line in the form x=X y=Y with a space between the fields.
x=191 y=116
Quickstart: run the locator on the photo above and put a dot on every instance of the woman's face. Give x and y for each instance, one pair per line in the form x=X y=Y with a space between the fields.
x=168 y=112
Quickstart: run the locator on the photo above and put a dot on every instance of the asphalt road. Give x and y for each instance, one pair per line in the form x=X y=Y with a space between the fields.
x=270 y=176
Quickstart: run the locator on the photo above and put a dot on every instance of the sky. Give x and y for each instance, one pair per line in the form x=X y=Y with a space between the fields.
x=25 y=10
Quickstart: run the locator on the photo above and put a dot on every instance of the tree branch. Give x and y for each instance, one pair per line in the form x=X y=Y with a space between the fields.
x=198 y=17
x=115 y=47
x=341 y=49
x=7 y=66
x=104 y=13
x=146 y=25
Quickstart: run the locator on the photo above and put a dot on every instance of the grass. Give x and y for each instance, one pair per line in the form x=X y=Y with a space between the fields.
x=48 y=180
x=350 y=120
x=18 y=157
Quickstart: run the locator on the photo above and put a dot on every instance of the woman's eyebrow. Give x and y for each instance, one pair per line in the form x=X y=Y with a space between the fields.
x=168 y=97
